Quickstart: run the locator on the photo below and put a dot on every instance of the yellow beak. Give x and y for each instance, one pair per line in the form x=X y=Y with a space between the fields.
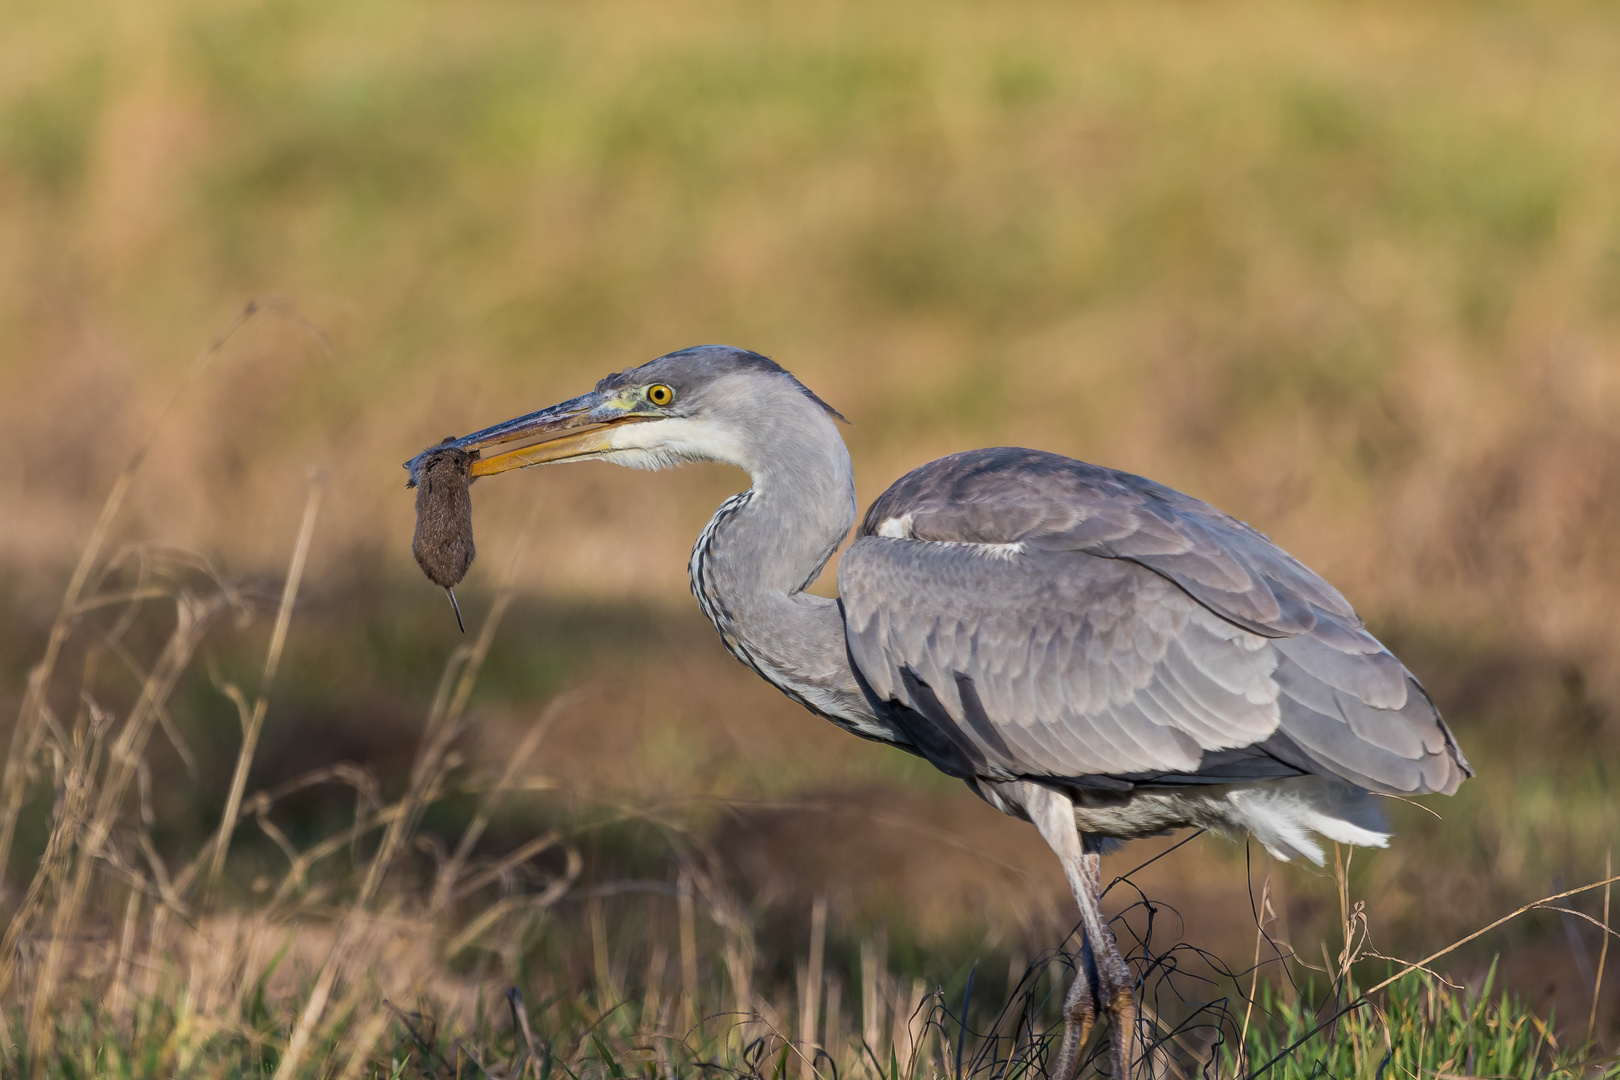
x=572 y=430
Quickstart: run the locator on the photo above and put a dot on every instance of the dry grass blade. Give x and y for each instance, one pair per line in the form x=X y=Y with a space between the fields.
x=166 y=722
x=272 y=660
x=1571 y=913
x=520 y=1018
x=193 y=618
x=448 y=878
x=304 y=860
x=1603 y=951
x=76 y=788
x=1263 y=915
x=449 y=704
x=126 y=944
x=1482 y=931
x=687 y=915
x=365 y=1041
x=523 y=854
x=26 y=734
x=539 y=902
x=810 y=995
x=320 y=993
x=443 y=721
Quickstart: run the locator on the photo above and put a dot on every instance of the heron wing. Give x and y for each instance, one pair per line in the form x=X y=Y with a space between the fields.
x=1049 y=502
x=1021 y=613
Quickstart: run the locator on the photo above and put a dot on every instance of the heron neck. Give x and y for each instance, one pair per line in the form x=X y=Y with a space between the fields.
x=800 y=508
x=759 y=553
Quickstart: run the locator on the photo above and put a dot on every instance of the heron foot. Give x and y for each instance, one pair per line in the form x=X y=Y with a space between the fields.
x=1079 y=1014
x=1121 y=1009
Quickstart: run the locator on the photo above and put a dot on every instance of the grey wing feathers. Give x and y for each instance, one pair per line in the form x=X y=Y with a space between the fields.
x=1050 y=502
x=1033 y=615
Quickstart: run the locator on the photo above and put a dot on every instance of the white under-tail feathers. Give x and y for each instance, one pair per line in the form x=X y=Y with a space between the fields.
x=1283 y=815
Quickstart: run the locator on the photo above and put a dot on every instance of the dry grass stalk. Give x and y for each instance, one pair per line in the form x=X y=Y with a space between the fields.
x=366 y=1038
x=1544 y=902
x=652 y=1002
x=450 y=703
x=1352 y=916
x=1603 y=951
x=425 y=774
x=1161 y=1063
x=449 y=878
x=480 y=924
x=832 y=1032
x=738 y=950
x=810 y=990
x=126 y=944
x=80 y=831
x=1266 y=914
x=872 y=993
x=605 y=983
x=493 y=872
x=76 y=762
x=253 y=719
x=449 y=706
x=689 y=973
x=92 y=831
x=31 y=716
x=910 y=1024
x=98 y=758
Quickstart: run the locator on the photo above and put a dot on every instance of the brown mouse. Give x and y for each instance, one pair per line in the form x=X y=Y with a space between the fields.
x=443 y=544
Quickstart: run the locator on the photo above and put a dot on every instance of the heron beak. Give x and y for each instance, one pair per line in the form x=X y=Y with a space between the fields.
x=575 y=429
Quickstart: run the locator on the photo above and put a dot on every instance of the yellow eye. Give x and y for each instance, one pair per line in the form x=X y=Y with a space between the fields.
x=660 y=394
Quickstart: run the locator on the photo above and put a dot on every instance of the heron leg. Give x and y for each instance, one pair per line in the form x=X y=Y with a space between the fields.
x=1113 y=973
x=1053 y=814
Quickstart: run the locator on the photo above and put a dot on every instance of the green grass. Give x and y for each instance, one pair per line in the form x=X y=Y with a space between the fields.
x=1419 y=1027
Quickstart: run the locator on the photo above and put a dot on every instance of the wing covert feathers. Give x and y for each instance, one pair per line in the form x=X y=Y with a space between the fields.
x=1049 y=502
x=1035 y=616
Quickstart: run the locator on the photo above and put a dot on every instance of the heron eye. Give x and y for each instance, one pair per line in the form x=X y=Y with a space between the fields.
x=660 y=394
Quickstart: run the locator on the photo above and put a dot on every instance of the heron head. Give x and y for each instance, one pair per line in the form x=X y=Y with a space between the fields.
x=708 y=403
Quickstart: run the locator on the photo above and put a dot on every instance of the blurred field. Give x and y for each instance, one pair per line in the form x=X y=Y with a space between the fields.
x=1350 y=272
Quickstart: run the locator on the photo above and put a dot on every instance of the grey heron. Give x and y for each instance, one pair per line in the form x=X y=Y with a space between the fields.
x=1088 y=650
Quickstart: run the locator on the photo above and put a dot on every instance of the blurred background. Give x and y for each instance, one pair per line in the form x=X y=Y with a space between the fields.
x=1351 y=272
